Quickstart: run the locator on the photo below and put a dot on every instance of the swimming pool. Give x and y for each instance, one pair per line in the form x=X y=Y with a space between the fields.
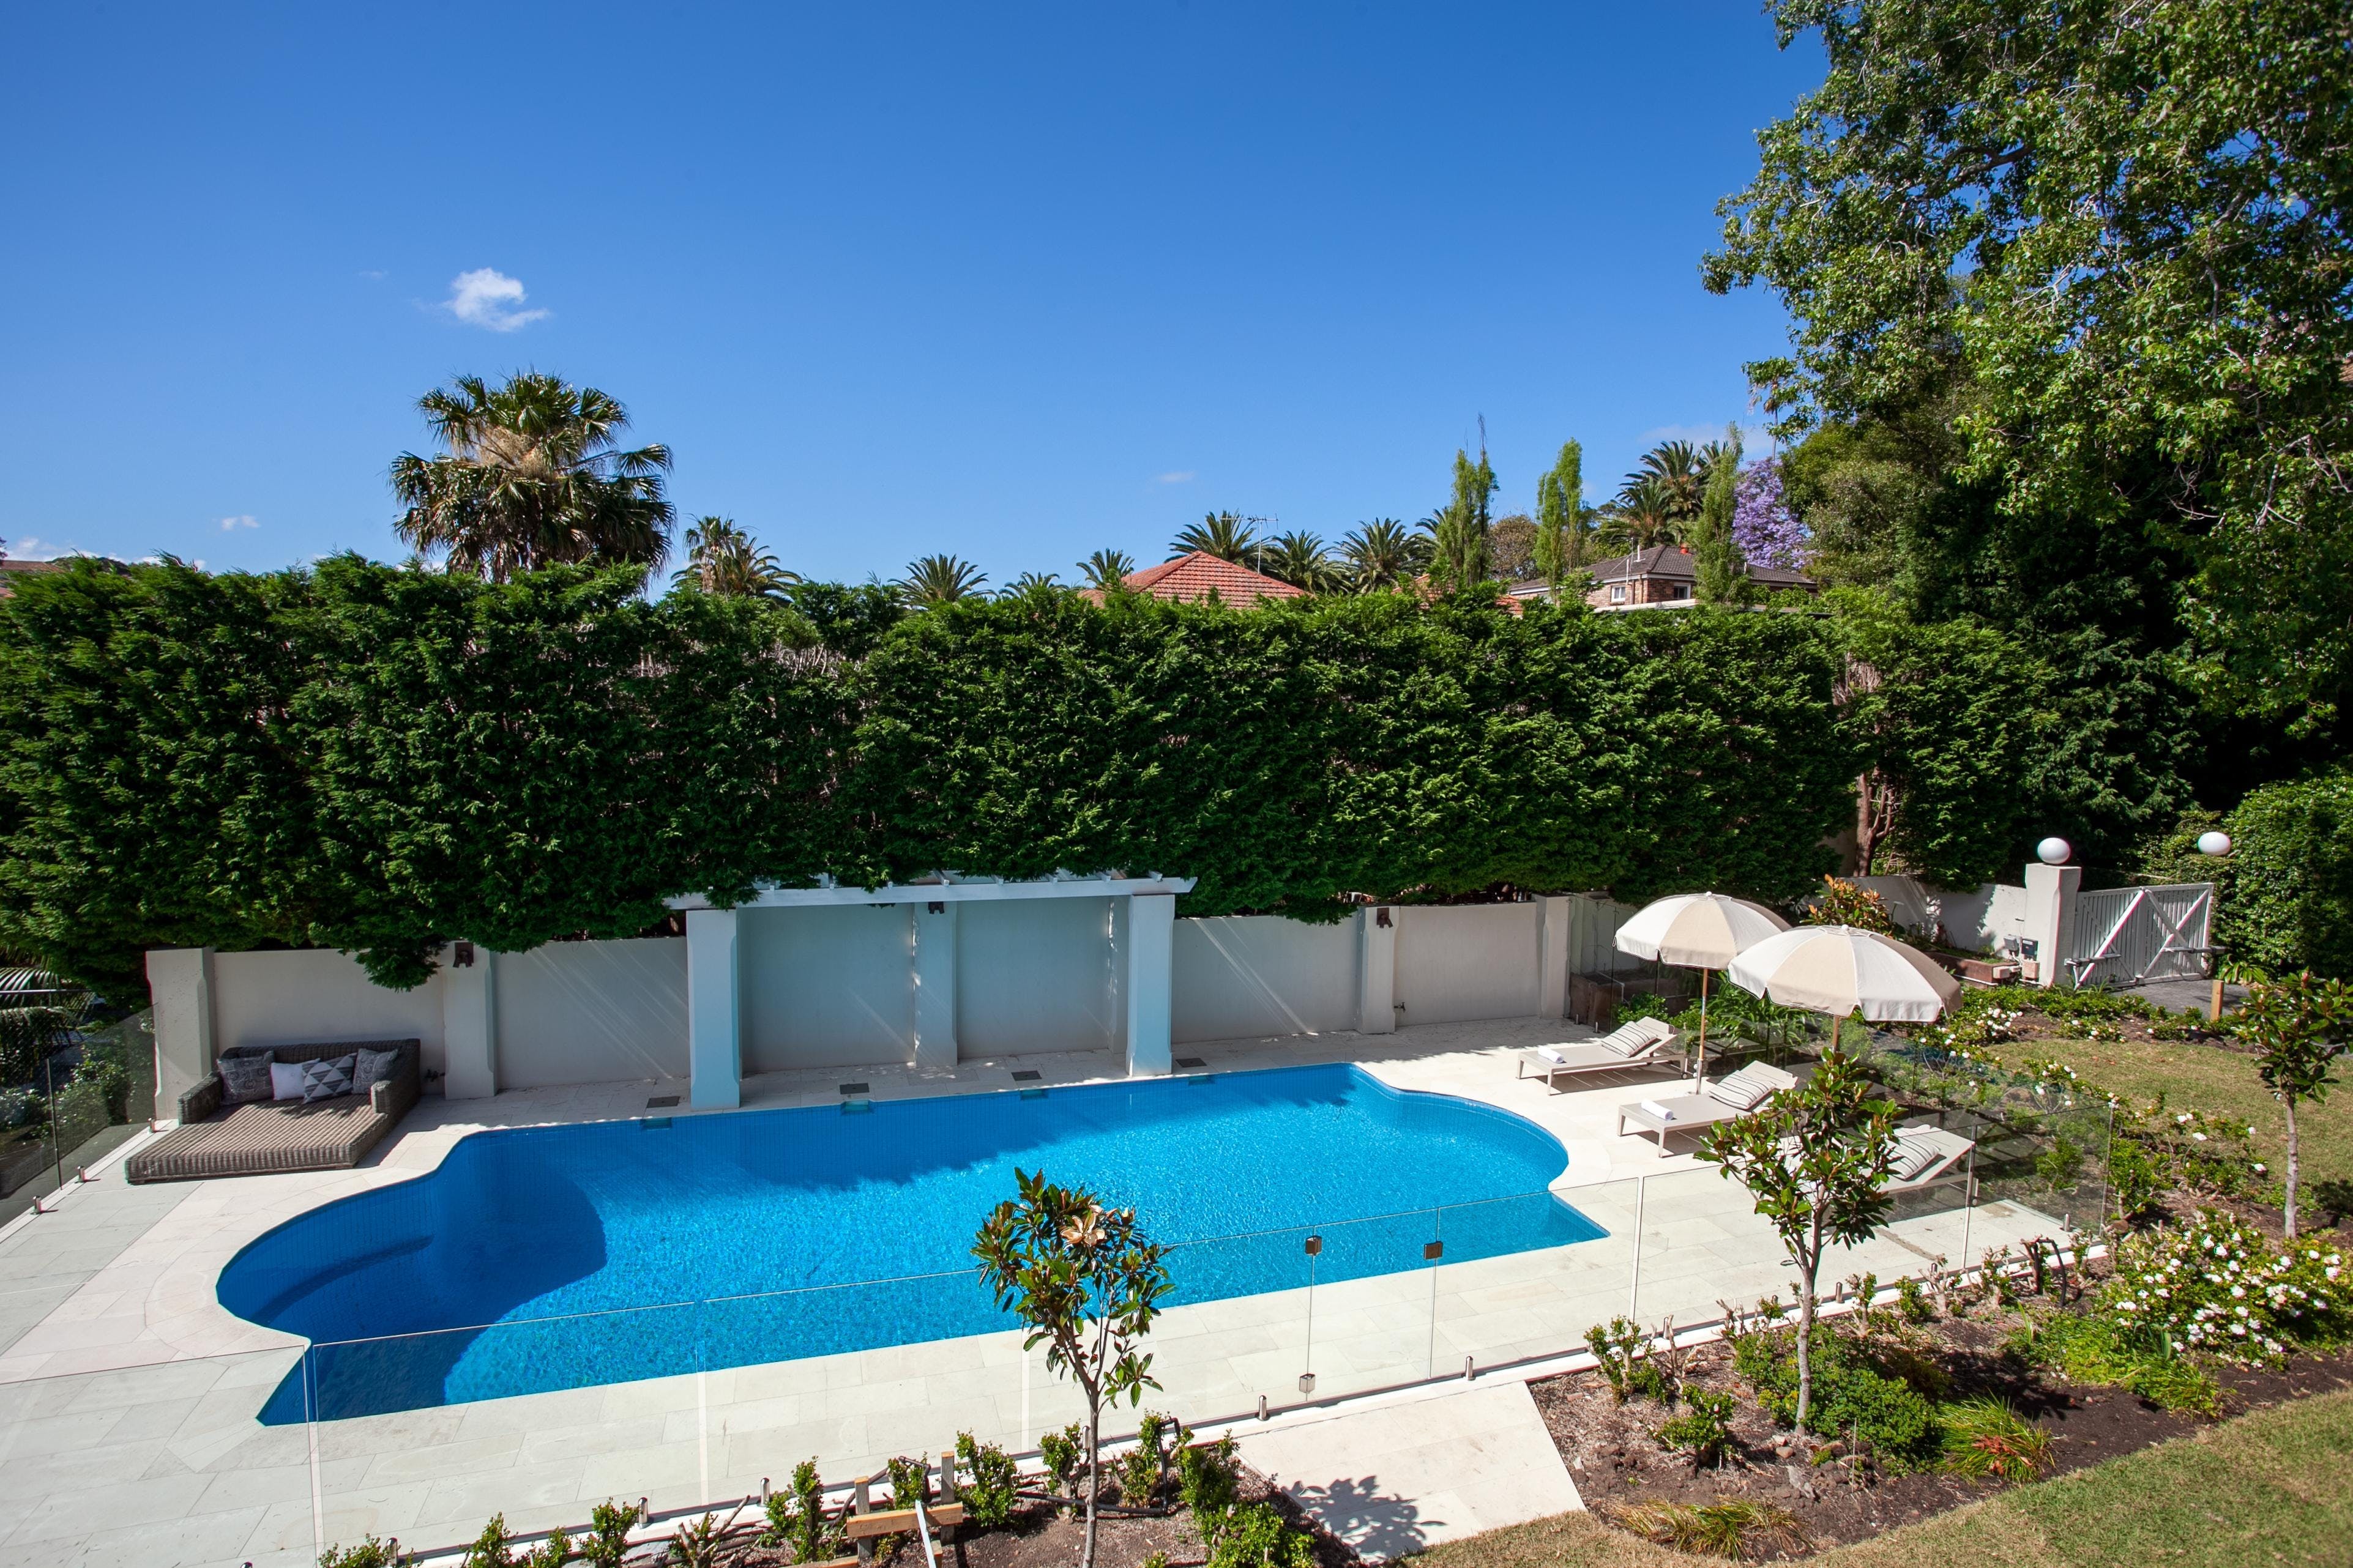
x=553 y=1257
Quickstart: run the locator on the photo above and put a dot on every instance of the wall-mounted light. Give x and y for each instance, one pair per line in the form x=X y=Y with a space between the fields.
x=463 y=958
x=1381 y=916
x=936 y=907
x=2054 y=851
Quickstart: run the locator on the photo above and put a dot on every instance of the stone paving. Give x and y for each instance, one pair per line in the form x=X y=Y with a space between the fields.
x=129 y=1396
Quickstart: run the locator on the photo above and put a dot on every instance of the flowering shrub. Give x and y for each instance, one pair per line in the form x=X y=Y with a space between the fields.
x=2158 y=1150
x=2221 y=1287
x=1767 y=530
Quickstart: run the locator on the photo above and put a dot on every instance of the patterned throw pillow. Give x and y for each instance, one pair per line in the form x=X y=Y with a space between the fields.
x=1739 y=1091
x=327 y=1078
x=374 y=1067
x=1913 y=1155
x=245 y=1080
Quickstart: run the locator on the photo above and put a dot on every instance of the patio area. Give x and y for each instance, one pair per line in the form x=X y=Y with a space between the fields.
x=129 y=1396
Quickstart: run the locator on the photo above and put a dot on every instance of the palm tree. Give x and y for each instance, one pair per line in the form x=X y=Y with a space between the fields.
x=1678 y=473
x=720 y=558
x=1382 y=554
x=1106 y=570
x=1300 y=559
x=1032 y=585
x=533 y=476
x=1229 y=536
x=1643 y=515
x=940 y=580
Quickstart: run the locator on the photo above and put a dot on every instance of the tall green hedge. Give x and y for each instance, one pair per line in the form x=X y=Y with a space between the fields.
x=2291 y=904
x=379 y=760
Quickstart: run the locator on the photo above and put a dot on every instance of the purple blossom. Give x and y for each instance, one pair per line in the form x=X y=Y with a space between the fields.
x=1768 y=533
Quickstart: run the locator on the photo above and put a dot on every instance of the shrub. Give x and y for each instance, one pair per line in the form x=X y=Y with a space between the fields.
x=609 y=1524
x=1254 y=1537
x=1145 y=1466
x=987 y=1481
x=2224 y=1288
x=1063 y=1454
x=369 y=1554
x=1729 y=1527
x=1704 y=1429
x=798 y=1518
x=1617 y=1348
x=1880 y=1414
x=1842 y=903
x=2291 y=903
x=1989 y=1438
x=1209 y=1477
x=696 y=1545
x=2092 y=1349
x=1912 y=1302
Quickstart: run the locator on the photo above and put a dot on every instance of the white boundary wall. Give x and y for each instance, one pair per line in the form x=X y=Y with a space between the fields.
x=849 y=984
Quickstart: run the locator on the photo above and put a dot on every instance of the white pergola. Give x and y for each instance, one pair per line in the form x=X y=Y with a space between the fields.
x=714 y=986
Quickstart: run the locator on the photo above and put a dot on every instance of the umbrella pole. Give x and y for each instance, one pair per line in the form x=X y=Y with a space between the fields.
x=1701 y=1075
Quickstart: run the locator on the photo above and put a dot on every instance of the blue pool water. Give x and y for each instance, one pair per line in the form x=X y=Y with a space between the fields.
x=558 y=1257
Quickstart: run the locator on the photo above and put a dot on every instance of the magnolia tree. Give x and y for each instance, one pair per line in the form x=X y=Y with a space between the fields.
x=1088 y=1283
x=2295 y=1025
x=1815 y=1158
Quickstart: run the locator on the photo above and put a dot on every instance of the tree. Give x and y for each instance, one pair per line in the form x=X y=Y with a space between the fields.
x=1676 y=475
x=1384 y=554
x=1815 y=1158
x=2296 y=1025
x=1764 y=530
x=1300 y=559
x=1716 y=553
x=1563 y=528
x=1033 y=585
x=1088 y=1283
x=534 y=474
x=2125 y=225
x=1512 y=547
x=932 y=579
x=1228 y=535
x=720 y=558
x=1107 y=570
x=1642 y=516
x=1458 y=558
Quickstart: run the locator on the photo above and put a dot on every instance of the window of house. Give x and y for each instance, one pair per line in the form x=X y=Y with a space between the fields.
x=1616 y=593
x=1682 y=590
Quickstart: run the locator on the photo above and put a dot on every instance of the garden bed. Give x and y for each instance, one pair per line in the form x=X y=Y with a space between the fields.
x=1831 y=1494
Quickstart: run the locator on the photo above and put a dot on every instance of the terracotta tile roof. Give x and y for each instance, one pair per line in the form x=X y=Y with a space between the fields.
x=1197 y=573
x=7 y=568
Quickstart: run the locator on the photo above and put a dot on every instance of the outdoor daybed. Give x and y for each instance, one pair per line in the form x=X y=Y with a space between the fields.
x=266 y=1137
x=1630 y=1044
x=1735 y=1094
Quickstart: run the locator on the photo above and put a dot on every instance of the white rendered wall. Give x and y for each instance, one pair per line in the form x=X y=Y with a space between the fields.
x=305 y=995
x=1247 y=976
x=1036 y=975
x=827 y=987
x=1456 y=962
x=590 y=1011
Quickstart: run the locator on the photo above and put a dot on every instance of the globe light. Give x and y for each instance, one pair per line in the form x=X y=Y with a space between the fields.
x=2054 y=851
x=2211 y=843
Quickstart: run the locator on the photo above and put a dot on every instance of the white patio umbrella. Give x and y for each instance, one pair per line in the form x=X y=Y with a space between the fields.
x=1698 y=930
x=1840 y=970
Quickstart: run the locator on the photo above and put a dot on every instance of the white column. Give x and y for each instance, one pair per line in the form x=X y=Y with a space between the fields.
x=1552 y=982
x=470 y=1025
x=714 y=1049
x=1151 y=965
x=935 y=1002
x=1377 y=970
x=180 y=983
x=2051 y=917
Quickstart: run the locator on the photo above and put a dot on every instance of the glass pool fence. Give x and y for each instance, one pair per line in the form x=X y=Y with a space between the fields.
x=699 y=1404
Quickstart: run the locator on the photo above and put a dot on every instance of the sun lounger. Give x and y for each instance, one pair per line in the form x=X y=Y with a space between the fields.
x=1630 y=1044
x=267 y=1137
x=1923 y=1156
x=1735 y=1094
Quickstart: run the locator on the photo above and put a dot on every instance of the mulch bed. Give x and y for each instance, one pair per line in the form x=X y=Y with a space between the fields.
x=1614 y=1458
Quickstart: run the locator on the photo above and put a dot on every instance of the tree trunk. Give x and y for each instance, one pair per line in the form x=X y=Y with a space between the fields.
x=2288 y=1101
x=1809 y=1265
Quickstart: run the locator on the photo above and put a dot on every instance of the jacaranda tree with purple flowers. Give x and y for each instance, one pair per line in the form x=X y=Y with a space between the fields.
x=1768 y=533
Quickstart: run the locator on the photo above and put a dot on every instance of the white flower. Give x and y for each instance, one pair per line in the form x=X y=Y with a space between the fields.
x=2198 y=1137
x=2259 y=1167
x=2180 y=1119
x=2238 y=1290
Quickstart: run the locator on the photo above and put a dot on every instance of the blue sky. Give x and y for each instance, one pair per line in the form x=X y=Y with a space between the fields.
x=1015 y=282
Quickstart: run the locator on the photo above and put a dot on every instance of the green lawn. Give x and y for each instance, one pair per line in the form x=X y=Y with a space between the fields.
x=2200 y=1078
x=2273 y=1487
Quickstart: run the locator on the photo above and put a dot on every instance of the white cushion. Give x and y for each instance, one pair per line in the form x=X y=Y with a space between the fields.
x=1738 y=1091
x=1661 y=1112
x=286 y=1080
x=1913 y=1155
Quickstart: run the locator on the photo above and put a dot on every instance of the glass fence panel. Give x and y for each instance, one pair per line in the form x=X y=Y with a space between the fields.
x=1522 y=1277
x=1370 y=1320
x=1236 y=1328
x=166 y=1466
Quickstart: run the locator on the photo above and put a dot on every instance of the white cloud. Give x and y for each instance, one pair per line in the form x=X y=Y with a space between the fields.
x=1754 y=440
x=231 y=524
x=1180 y=477
x=27 y=549
x=373 y=274
x=487 y=297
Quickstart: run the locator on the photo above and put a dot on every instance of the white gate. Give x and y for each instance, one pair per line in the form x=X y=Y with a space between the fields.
x=2127 y=936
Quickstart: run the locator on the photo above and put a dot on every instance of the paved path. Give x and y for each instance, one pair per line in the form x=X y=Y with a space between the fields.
x=1400 y=1477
